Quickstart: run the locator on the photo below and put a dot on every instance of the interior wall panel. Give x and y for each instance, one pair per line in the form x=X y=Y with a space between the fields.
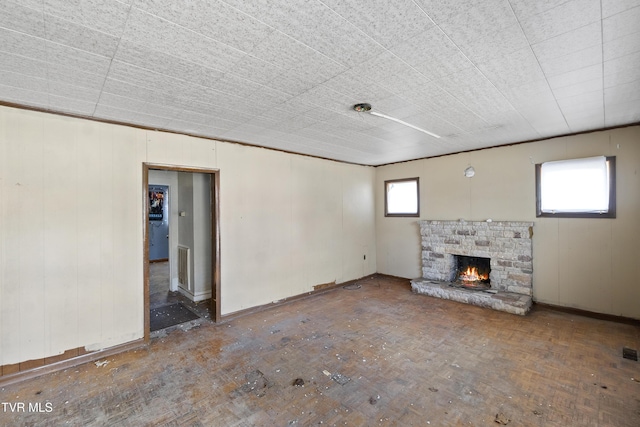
x=181 y=150
x=89 y=229
x=24 y=289
x=4 y=216
x=255 y=199
x=585 y=264
x=358 y=221
x=129 y=154
x=60 y=205
x=316 y=188
x=625 y=295
x=107 y=295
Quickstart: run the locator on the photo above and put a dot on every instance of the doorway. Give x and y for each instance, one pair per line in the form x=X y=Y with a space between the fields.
x=203 y=241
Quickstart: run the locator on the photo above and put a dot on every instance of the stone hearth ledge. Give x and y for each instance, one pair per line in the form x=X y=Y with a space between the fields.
x=503 y=301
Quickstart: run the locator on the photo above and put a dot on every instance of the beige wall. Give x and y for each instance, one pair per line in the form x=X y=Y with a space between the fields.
x=71 y=227
x=591 y=264
x=291 y=222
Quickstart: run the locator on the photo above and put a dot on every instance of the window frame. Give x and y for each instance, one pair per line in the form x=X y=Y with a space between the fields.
x=386 y=201
x=611 y=213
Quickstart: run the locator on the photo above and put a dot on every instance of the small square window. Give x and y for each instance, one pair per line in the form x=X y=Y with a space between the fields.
x=577 y=188
x=402 y=197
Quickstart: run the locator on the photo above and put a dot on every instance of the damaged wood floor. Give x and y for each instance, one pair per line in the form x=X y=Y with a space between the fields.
x=377 y=355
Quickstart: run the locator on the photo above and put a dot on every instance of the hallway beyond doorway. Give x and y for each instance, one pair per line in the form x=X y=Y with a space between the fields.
x=160 y=295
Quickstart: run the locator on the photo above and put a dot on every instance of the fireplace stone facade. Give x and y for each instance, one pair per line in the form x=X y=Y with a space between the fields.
x=507 y=244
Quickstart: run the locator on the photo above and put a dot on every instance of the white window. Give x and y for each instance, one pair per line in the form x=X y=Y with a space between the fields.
x=402 y=197
x=576 y=188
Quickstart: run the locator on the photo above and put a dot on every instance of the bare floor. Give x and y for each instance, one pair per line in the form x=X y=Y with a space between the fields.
x=376 y=355
x=160 y=294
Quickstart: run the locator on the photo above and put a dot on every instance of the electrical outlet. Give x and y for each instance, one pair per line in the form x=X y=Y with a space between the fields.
x=629 y=353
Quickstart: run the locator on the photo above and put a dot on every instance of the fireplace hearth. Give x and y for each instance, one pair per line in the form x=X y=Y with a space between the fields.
x=489 y=264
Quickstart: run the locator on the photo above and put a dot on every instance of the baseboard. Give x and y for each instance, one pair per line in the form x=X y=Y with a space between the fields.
x=389 y=276
x=69 y=363
x=320 y=289
x=586 y=313
x=195 y=297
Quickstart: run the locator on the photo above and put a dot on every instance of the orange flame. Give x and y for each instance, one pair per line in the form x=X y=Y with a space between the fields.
x=471 y=275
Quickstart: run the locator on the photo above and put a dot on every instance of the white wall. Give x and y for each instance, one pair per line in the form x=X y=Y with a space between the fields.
x=186 y=224
x=590 y=264
x=71 y=227
x=203 y=259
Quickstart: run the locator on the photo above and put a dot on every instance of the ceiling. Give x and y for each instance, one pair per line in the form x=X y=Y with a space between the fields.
x=285 y=73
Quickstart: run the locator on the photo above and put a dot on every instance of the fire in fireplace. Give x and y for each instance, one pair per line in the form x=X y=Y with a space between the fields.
x=472 y=272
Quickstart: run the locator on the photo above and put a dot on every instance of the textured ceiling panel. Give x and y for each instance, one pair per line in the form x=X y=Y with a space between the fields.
x=559 y=20
x=285 y=75
x=388 y=23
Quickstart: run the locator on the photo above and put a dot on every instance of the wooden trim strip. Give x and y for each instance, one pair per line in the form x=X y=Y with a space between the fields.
x=510 y=144
x=216 y=248
x=131 y=125
x=586 y=313
x=16 y=377
x=322 y=290
x=145 y=253
x=246 y=144
x=389 y=276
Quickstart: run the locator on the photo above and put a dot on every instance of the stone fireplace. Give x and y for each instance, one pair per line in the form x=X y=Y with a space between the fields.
x=457 y=255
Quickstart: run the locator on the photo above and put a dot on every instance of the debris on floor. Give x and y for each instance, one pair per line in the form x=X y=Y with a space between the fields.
x=298 y=382
x=433 y=389
x=340 y=379
x=189 y=325
x=536 y=412
x=352 y=286
x=256 y=383
x=373 y=400
x=502 y=419
x=101 y=363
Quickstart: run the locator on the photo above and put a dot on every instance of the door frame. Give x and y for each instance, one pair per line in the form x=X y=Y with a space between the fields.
x=214 y=197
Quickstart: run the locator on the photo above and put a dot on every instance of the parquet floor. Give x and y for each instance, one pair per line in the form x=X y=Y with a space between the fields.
x=378 y=355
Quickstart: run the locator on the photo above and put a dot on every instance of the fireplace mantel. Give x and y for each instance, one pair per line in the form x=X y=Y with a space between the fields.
x=508 y=244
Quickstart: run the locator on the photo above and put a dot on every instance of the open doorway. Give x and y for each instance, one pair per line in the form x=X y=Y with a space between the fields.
x=188 y=276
